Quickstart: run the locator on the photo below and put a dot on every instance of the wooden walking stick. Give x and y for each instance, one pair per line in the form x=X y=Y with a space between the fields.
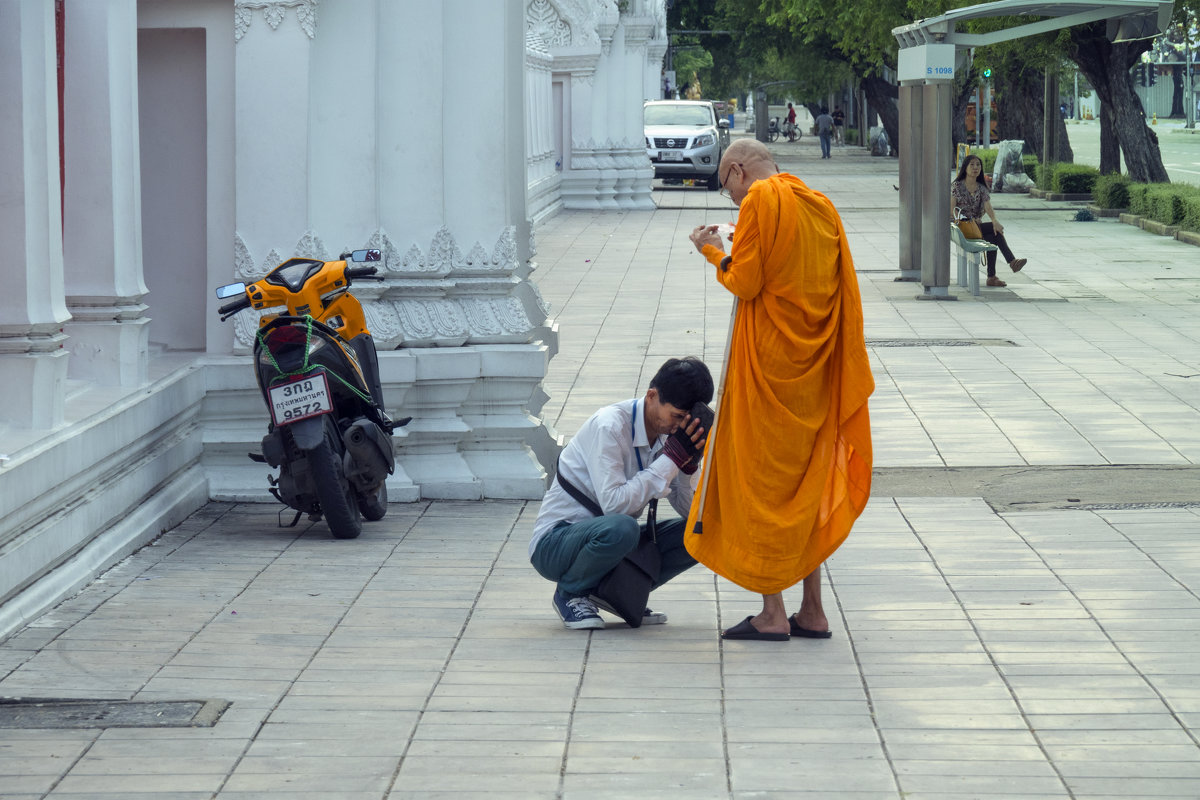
x=712 y=442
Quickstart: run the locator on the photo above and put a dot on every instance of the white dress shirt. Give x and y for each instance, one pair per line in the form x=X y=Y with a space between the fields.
x=602 y=460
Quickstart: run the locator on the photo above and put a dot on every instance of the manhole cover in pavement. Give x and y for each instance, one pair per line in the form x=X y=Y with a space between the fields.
x=42 y=713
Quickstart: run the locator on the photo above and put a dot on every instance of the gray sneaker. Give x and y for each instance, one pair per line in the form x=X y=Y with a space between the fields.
x=648 y=617
x=577 y=613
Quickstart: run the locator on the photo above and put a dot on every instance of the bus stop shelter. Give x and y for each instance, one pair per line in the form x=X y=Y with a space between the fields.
x=932 y=51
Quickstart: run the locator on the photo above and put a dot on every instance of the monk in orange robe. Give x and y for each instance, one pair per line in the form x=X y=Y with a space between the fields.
x=787 y=469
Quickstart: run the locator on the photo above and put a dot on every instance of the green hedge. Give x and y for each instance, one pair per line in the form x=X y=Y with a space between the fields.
x=1041 y=176
x=1138 y=204
x=1168 y=203
x=1073 y=179
x=1030 y=163
x=1191 y=212
x=1111 y=191
x=1061 y=177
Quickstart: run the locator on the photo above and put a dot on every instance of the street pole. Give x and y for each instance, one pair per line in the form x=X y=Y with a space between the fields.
x=1049 y=112
x=987 y=114
x=1191 y=75
x=1079 y=114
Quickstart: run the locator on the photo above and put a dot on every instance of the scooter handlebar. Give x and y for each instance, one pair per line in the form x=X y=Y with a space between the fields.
x=235 y=306
x=362 y=272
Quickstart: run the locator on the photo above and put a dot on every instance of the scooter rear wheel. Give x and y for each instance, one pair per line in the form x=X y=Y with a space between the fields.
x=334 y=492
x=373 y=506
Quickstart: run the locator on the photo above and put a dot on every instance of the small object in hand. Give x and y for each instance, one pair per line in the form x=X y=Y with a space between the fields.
x=680 y=448
x=725 y=231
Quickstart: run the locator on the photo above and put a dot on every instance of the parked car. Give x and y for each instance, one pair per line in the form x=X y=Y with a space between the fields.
x=684 y=139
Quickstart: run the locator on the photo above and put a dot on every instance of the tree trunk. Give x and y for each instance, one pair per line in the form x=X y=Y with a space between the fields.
x=1110 y=148
x=883 y=98
x=962 y=99
x=1021 y=107
x=1106 y=65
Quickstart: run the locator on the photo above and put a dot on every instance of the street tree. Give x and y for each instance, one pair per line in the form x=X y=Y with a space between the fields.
x=1107 y=65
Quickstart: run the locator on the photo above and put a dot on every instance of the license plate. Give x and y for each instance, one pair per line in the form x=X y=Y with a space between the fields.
x=300 y=399
x=670 y=155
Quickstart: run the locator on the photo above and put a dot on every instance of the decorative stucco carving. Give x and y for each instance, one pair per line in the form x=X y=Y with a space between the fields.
x=311 y=246
x=274 y=12
x=537 y=53
x=658 y=10
x=243 y=262
x=543 y=19
x=605 y=16
x=439 y=297
x=574 y=24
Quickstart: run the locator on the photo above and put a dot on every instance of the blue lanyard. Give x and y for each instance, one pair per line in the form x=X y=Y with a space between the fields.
x=633 y=437
x=652 y=509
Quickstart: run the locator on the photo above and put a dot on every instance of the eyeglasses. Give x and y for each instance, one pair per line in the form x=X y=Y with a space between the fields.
x=725 y=192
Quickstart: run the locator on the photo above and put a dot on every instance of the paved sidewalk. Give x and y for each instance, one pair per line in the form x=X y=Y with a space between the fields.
x=1015 y=615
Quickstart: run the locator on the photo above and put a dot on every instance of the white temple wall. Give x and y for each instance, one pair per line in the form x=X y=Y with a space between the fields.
x=306 y=139
x=602 y=51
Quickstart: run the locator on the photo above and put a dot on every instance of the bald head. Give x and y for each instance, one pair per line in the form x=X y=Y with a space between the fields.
x=754 y=157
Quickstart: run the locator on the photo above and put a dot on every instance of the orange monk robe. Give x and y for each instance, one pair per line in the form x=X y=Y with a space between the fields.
x=788 y=467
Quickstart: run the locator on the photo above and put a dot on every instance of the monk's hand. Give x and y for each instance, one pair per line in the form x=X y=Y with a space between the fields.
x=685 y=444
x=706 y=234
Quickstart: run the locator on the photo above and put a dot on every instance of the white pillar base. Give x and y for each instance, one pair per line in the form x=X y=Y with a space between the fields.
x=35 y=387
x=110 y=352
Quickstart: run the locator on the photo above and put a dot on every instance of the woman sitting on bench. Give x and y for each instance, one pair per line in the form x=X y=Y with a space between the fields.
x=971 y=197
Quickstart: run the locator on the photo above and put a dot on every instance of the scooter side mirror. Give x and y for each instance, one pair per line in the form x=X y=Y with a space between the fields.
x=366 y=255
x=230 y=290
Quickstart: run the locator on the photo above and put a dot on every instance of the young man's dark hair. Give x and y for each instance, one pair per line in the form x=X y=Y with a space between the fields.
x=683 y=382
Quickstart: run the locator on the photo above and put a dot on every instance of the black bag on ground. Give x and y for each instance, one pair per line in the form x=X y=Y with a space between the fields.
x=626 y=587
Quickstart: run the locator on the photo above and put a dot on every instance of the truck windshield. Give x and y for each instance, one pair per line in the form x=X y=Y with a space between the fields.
x=677 y=115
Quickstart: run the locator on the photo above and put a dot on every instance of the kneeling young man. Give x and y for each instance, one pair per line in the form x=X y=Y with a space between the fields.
x=622 y=458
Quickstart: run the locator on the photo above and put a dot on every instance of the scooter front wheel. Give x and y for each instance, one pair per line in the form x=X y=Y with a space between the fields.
x=334 y=491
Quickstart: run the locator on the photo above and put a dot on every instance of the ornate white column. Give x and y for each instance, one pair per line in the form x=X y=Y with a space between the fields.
x=273 y=69
x=33 y=363
x=338 y=149
x=543 y=175
x=102 y=246
x=642 y=81
x=601 y=44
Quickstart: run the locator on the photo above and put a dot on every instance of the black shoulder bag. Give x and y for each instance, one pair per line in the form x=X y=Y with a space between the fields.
x=626 y=588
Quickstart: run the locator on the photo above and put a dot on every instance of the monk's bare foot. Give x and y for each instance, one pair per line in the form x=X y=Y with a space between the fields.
x=811 y=620
x=771 y=623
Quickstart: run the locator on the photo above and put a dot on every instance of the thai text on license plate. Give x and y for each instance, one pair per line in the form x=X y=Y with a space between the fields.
x=670 y=155
x=300 y=399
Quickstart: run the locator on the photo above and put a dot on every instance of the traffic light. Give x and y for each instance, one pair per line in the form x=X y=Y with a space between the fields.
x=1152 y=71
x=1140 y=75
x=987 y=73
